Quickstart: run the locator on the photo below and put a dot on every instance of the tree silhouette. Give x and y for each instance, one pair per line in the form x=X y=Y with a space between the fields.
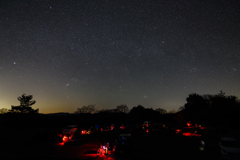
x=3 y=110
x=217 y=110
x=122 y=108
x=161 y=111
x=173 y=111
x=137 y=110
x=86 y=109
x=25 y=105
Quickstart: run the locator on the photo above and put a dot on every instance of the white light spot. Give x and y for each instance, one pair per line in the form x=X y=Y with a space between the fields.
x=68 y=84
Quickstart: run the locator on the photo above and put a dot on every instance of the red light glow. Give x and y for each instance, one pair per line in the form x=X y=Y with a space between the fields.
x=60 y=135
x=60 y=144
x=122 y=127
x=178 y=131
x=65 y=139
x=84 y=132
x=188 y=134
x=189 y=124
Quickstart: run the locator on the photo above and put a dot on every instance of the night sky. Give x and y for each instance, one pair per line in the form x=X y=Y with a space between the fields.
x=153 y=53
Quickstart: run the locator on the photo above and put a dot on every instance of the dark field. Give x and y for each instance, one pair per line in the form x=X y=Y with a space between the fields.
x=39 y=143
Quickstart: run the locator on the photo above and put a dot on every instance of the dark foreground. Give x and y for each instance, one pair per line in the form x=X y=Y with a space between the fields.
x=162 y=145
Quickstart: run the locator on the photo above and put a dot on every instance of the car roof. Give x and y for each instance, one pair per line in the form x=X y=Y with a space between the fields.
x=228 y=139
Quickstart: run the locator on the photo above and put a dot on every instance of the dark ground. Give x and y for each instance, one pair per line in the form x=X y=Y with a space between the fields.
x=25 y=143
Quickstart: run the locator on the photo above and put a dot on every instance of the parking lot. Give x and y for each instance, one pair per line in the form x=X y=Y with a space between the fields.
x=161 y=145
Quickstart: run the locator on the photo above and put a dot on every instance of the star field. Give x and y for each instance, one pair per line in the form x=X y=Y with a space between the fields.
x=109 y=52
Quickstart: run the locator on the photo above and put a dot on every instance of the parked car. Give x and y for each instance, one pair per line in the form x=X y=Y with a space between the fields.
x=230 y=148
x=69 y=130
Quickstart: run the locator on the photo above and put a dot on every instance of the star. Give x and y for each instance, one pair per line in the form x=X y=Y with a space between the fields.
x=99 y=50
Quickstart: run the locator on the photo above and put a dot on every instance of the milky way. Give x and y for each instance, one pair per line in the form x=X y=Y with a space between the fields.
x=110 y=52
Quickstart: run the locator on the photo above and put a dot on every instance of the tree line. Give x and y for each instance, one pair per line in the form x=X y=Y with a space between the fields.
x=123 y=108
x=26 y=103
x=213 y=110
x=208 y=110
